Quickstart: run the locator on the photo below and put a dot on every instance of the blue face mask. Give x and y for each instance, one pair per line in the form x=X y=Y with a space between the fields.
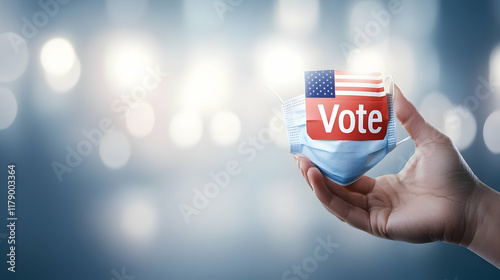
x=342 y=161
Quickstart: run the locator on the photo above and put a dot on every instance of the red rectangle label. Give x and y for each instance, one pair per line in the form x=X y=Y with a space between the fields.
x=346 y=117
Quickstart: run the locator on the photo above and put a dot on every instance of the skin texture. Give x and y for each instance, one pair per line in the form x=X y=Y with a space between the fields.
x=436 y=197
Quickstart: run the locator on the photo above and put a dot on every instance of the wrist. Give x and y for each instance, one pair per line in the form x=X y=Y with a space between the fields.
x=474 y=209
x=483 y=223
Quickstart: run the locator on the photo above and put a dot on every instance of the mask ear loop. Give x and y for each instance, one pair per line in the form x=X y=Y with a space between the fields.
x=404 y=140
x=277 y=95
x=392 y=81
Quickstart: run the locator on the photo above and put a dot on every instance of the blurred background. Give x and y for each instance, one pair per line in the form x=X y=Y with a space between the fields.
x=148 y=141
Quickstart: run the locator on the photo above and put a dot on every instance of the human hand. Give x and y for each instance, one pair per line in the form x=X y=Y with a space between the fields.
x=434 y=197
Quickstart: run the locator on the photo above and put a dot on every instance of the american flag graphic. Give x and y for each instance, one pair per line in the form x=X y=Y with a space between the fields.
x=345 y=105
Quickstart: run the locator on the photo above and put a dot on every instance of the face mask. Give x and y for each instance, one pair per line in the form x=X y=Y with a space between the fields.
x=344 y=124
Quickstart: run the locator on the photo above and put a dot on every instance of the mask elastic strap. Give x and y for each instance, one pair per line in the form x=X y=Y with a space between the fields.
x=277 y=95
x=404 y=140
x=392 y=80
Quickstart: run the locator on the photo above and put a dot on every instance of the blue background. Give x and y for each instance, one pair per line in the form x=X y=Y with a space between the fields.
x=266 y=219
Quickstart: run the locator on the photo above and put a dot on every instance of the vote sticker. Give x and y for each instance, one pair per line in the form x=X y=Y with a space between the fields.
x=345 y=105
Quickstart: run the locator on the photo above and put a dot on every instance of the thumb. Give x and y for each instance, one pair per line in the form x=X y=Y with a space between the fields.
x=420 y=131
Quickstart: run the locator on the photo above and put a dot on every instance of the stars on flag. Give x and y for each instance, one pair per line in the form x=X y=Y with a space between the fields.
x=320 y=83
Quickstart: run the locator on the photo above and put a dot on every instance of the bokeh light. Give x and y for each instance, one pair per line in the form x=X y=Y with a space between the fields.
x=141 y=119
x=14 y=56
x=298 y=16
x=460 y=125
x=114 y=149
x=225 y=128
x=433 y=108
x=8 y=108
x=491 y=132
x=281 y=64
x=57 y=56
x=66 y=81
x=366 y=60
x=401 y=63
x=126 y=61
x=186 y=129
x=139 y=219
x=495 y=66
x=207 y=83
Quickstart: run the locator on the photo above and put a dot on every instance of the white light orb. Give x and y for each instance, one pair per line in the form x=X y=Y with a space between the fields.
x=281 y=65
x=495 y=67
x=65 y=82
x=141 y=119
x=460 y=125
x=14 y=56
x=139 y=220
x=57 y=56
x=365 y=60
x=298 y=16
x=225 y=128
x=186 y=129
x=491 y=132
x=114 y=149
x=8 y=108
x=206 y=86
x=433 y=108
x=126 y=62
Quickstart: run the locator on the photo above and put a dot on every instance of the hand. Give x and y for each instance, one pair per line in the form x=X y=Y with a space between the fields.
x=433 y=198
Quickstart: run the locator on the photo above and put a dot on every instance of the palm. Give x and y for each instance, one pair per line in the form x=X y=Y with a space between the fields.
x=420 y=204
